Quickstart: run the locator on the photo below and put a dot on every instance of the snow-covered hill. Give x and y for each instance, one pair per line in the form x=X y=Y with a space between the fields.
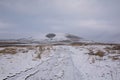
x=60 y=62
x=60 y=37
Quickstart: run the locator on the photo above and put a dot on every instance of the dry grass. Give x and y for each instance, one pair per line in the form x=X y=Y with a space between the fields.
x=77 y=44
x=31 y=47
x=41 y=49
x=95 y=55
x=23 y=50
x=116 y=57
x=9 y=51
x=115 y=47
x=98 y=53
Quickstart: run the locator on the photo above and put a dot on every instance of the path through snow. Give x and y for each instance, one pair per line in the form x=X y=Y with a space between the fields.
x=59 y=66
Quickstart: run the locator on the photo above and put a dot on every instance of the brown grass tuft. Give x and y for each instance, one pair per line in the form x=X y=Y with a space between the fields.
x=100 y=53
x=42 y=49
x=116 y=57
x=9 y=51
x=117 y=47
x=77 y=44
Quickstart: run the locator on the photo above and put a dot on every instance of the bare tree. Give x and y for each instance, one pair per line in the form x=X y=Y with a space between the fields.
x=50 y=35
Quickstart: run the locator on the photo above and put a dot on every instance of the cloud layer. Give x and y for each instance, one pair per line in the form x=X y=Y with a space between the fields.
x=96 y=19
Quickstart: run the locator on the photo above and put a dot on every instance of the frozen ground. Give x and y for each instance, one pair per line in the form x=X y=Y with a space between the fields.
x=59 y=63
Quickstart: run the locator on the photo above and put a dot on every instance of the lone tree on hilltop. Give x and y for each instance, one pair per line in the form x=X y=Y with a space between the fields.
x=50 y=35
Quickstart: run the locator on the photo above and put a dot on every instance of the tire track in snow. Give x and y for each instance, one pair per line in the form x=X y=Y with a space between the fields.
x=57 y=67
x=22 y=75
x=78 y=75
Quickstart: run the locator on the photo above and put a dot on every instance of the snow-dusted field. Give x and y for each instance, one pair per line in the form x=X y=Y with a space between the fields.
x=61 y=62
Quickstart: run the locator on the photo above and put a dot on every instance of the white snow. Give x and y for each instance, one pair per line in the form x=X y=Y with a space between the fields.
x=100 y=70
x=58 y=63
x=12 y=64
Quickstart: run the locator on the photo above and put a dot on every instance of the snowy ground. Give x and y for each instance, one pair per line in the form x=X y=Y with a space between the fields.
x=59 y=63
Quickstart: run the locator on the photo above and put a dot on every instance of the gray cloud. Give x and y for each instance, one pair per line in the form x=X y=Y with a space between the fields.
x=96 y=19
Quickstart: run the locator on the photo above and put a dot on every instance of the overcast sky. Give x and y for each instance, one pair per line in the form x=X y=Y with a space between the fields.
x=90 y=19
